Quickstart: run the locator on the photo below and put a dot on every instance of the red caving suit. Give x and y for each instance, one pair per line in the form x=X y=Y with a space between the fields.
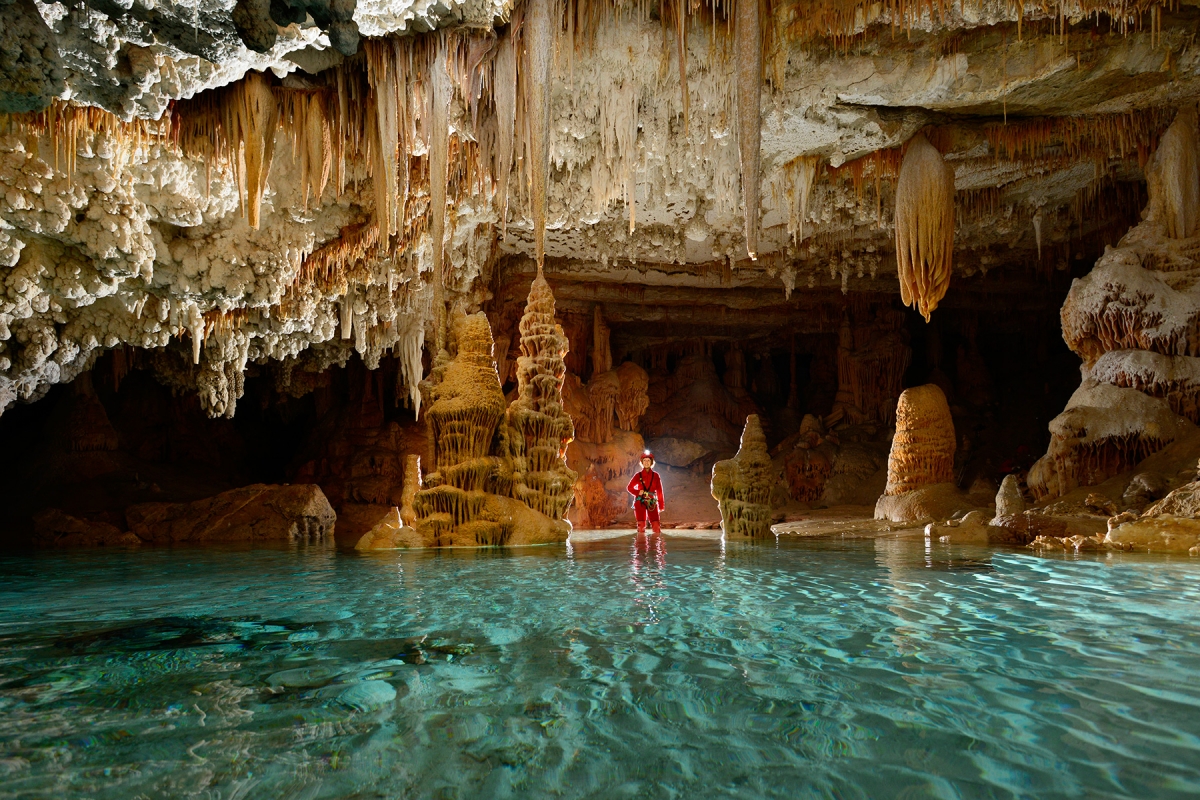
x=649 y=481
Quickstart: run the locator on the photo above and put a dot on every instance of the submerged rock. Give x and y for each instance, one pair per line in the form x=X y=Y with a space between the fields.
x=257 y=513
x=367 y=696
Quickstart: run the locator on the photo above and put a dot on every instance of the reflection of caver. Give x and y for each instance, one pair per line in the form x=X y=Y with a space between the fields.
x=647 y=491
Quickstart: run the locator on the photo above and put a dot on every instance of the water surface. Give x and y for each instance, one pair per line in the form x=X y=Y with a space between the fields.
x=680 y=668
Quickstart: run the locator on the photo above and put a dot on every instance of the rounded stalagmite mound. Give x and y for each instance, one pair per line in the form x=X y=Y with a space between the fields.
x=923 y=448
x=920 y=479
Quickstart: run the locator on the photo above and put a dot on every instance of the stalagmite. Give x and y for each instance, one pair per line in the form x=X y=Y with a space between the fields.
x=924 y=226
x=540 y=428
x=920 y=470
x=1179 y=172
x=923 y=448
x=748 y=60
x=539 y=55
x=412 y=484
x=742 y=485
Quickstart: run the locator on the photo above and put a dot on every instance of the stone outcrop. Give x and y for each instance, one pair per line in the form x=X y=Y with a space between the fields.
x=54 y=528
x=257 y=513
x=1135 y=322
x=1171 y=525
x=743 y=485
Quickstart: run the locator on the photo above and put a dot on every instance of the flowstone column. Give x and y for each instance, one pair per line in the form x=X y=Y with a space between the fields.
x=466 y=406
x=539 y=429
x=742 y=485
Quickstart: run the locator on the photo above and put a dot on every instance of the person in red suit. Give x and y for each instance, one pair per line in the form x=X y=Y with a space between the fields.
x=647 y=491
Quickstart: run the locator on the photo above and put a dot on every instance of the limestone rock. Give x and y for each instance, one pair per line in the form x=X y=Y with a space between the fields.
x=677 y=452
x=743 y=485
x=973 y=528
x=1009 y=501
x=923 y=448
x=258 y=513
x=921 y=464
x=54 y=528
x=1156 y=534
x=390 y=534
x=937 y=502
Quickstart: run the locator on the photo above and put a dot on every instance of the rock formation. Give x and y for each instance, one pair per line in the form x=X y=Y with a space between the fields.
x=540 y=428
x=924 y=226
x=242 y=199
x=257 y=513
x=921 y=464
x=500 y=476
x=743 y=485
x=1133 y=320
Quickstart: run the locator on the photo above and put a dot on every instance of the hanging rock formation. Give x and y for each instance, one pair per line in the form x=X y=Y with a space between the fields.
x=743 y=484
x=924 y=226
x=921 y=465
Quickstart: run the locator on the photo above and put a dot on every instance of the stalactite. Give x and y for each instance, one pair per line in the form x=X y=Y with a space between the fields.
x=439 y=145
x=748 y=62
x=1037 y=230
x=539 y=54
x=924 y=226
x=633 y=400
x=255 y=115
x=384 y=64
x=681 y=32
x=504 y=95
x=1055 y=142
x=601 y=349
x=408 y=350
x=302 y=115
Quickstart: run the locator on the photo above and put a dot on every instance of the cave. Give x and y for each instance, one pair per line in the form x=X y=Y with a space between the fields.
x=599 y=399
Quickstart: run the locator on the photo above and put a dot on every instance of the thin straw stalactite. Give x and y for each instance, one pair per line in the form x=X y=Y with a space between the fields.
x=748 y=60
x=439 y=146
x=539 y=54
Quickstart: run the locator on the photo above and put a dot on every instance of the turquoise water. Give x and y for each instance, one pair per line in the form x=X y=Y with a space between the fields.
x=818 y=668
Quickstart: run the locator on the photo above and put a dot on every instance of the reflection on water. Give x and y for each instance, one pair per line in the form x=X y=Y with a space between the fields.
x=649 y=581
x=834 y=667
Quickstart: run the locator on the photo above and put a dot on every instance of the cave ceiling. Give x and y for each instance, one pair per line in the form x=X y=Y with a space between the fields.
x=203 y=179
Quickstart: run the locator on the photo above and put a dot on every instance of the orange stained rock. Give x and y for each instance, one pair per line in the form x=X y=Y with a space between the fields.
x=923 y=448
